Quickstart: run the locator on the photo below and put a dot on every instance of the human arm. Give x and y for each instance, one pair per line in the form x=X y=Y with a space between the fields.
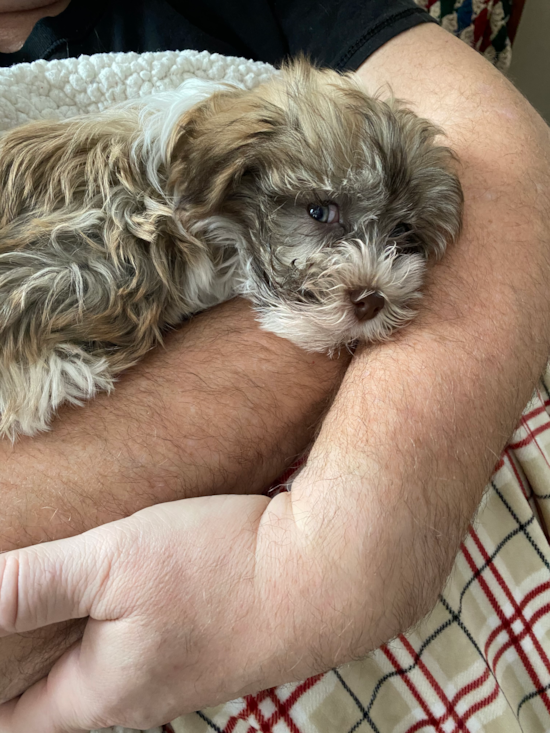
x=419 y=423
x=370 y=530
x=223 y=407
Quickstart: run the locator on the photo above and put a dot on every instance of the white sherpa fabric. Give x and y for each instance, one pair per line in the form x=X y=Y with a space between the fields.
x=69 y=87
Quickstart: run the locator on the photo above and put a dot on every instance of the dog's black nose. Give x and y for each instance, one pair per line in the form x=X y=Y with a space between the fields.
x=366 y=307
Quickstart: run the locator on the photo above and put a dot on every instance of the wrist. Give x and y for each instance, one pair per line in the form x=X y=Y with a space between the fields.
x=321 y=596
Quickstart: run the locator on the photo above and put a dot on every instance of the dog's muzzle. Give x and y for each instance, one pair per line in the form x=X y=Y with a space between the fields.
x=368 y=306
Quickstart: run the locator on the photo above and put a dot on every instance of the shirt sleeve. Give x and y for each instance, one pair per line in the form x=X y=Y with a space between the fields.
x=342 y=33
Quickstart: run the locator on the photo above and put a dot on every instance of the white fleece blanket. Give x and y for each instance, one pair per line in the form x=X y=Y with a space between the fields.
x=68 y=87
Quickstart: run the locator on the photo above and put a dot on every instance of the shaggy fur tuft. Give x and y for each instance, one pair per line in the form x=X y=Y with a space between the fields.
x=116 y=227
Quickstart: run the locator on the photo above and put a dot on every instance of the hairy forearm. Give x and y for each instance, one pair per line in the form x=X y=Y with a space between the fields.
x=417 y=427
x=222 y=409
x=185 y=422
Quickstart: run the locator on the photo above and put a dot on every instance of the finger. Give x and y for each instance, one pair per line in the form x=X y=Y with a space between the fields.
x=49 y=706
x=52 y=582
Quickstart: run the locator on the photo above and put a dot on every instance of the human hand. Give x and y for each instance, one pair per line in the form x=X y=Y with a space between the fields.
x=179 y=616
x=221 y=408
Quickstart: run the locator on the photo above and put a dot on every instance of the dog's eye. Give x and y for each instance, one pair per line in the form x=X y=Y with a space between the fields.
x=328 y=214
x=400 y=230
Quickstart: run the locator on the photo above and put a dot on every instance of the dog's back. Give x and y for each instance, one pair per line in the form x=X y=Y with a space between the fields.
x=92 y=262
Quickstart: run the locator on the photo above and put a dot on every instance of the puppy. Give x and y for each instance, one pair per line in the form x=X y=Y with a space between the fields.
x=320 y=204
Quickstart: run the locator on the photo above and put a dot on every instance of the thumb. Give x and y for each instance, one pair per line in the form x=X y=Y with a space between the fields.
x=52 y=582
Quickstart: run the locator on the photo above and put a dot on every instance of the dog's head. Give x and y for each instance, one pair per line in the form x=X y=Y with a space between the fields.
x=335 y=200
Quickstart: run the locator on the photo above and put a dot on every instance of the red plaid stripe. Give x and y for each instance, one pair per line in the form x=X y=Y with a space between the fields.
x=259 y=720
x=429 y=719
x=506 y=623
x=459 y=720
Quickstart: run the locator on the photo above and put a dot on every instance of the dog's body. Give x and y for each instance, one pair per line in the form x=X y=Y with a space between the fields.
x=315 y=201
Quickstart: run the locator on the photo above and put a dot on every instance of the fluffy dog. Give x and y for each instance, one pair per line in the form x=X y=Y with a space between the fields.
x=319 y=203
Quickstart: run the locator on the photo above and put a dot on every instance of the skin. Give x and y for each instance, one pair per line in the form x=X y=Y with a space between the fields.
x=370 y=530
x=18 y=18
x=185 y=422
x=168 y=432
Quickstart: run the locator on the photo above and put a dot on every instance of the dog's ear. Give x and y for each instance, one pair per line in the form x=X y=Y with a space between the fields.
x=277 y=130
x=231 y=133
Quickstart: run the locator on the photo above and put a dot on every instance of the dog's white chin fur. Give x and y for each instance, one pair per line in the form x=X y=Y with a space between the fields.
x=331 y=323
x=330 y=327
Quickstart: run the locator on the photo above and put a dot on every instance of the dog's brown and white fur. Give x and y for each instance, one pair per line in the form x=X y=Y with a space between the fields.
x=296 y=194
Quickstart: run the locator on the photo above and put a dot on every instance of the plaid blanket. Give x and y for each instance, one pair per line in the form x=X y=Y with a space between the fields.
x=479 y=662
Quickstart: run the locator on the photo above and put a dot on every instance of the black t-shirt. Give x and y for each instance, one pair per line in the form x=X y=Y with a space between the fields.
x=336 y=33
